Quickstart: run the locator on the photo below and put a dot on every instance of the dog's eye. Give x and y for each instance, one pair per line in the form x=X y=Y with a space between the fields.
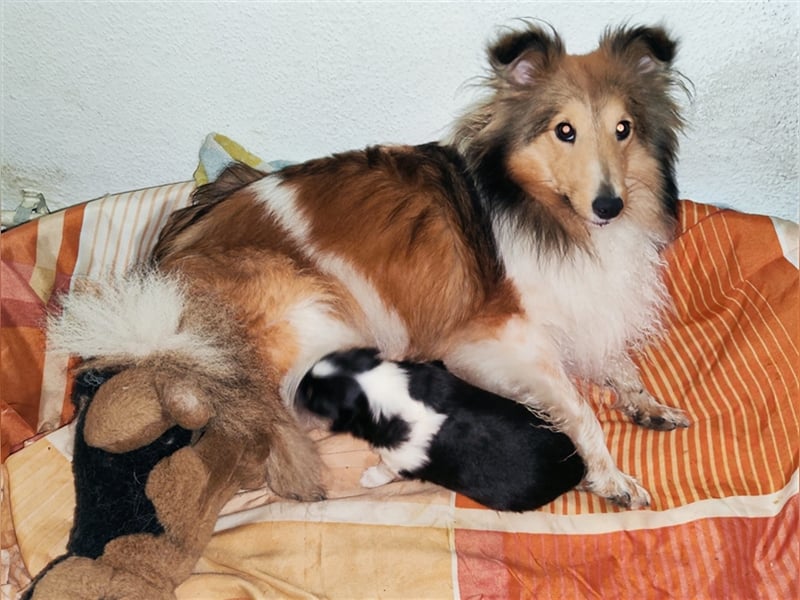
x=565 y=132
x=623 y=130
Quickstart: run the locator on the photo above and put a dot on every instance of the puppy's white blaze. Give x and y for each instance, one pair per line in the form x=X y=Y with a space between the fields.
x=383 y=324
x=132 y=317
x=318 y=333
x=324 y=368
x=386 y=388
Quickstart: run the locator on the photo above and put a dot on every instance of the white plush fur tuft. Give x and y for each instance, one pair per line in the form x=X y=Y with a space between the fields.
x=129 y=318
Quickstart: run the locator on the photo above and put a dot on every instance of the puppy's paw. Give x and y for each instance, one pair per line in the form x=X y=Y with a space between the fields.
x=377 y=476
x=619 y=488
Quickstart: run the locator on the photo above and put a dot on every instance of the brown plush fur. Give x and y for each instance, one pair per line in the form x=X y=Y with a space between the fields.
x=247 y=438
x=188 y=490
x=235 y=396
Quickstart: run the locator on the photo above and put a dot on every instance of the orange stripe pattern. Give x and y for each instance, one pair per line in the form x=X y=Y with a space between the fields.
x=106 y=235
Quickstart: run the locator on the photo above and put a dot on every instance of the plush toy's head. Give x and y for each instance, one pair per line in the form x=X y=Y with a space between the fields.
x=134 y=408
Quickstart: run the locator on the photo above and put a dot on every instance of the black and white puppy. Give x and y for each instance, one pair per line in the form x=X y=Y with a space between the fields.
x=428 y=424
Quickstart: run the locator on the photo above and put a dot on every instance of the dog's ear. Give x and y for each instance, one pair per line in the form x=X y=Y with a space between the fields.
x=356 y=361
x=320 y=395
x=646 y=48
x=351 y=403
x=520 y=57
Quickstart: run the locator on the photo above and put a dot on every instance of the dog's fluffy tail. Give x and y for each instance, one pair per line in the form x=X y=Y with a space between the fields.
x=131 y=318
x=184 y=342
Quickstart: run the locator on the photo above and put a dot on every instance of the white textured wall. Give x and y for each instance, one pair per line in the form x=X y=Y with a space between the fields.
x=111 y=96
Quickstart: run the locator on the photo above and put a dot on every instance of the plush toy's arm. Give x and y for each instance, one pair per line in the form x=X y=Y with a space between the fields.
x=188 y=489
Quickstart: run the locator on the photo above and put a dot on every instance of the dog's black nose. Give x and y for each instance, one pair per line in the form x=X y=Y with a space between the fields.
x=607 y=207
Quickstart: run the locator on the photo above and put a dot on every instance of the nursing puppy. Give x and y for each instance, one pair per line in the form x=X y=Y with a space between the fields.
x=428 y=424
x=524 y=251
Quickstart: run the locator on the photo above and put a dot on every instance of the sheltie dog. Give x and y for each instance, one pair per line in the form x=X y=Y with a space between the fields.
x=428 y=424
x=523 y=252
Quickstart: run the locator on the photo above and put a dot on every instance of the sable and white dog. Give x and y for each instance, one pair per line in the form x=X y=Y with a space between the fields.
x=428 y=424
x=523 y=252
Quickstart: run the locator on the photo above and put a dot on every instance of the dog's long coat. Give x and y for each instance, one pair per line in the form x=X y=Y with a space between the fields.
x=523 y=253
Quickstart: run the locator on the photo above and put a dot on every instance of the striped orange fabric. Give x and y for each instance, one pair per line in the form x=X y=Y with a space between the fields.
x=730 y=358
x=33 y=270
x=38 y=260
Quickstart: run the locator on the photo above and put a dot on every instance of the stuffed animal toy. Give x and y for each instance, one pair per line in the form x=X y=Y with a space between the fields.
x=174 y=416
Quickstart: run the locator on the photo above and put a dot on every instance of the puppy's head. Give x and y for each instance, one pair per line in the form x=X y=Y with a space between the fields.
x=331 y=391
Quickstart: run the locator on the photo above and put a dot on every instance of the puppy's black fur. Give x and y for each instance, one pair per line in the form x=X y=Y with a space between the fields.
x=487 y=448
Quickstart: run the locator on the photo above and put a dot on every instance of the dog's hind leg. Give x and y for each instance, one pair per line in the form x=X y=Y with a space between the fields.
x=294 y=468
x=638 y=404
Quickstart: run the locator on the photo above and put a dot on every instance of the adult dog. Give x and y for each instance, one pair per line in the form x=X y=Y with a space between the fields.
x=523 y=252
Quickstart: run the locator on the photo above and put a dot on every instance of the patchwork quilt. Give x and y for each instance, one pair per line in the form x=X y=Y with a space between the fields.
x=725 y=516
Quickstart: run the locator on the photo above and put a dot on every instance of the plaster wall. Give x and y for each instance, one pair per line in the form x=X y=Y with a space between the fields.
x=104 y=97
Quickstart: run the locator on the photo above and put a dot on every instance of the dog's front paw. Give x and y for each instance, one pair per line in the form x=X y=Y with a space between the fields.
x=619 y=488
x=648 y=412
x=662 y=418
x=377 y=476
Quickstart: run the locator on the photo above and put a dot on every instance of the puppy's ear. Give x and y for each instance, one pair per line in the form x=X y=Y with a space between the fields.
x=521 y=57
x=645 y=48
x=351 y=403
x=319 y=395
x=360 y=360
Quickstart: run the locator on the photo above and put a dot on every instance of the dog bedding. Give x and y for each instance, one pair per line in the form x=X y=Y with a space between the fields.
x=725 y=515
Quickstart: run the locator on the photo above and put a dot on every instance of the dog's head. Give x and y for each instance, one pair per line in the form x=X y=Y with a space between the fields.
x=330 y=389
x=586 y=135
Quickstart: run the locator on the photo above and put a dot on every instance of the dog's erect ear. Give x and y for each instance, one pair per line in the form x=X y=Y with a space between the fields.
x=520 y=57
x=647 y=48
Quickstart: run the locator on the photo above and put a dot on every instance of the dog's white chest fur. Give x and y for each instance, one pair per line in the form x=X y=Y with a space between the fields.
x=596 y=305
